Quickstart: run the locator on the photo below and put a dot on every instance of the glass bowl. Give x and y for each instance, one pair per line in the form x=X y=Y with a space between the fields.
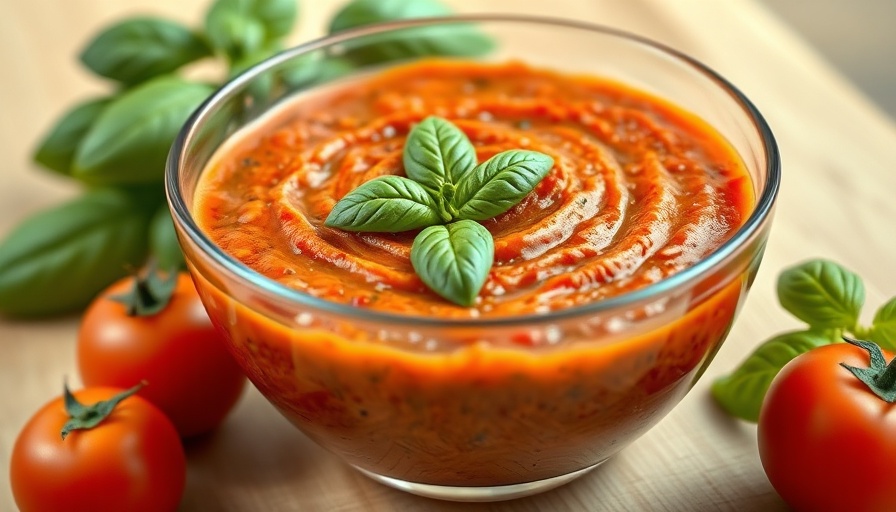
x=457 y=408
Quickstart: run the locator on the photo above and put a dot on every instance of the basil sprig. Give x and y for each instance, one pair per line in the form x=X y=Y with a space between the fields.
x=119 y=141
x=129 y=140
x=829 y=299
x=56 y=261
x=57 y=151
x=239 y=28
x=446 y=193
x=460 y=39
x=138 y=49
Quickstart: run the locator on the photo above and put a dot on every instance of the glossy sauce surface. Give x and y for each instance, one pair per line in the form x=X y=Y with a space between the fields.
x=639 y=190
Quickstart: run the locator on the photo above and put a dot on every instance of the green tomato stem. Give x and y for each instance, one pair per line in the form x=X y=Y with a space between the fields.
x=880 y=377
x=887 y=379
x=150 y=294
x=84 y=417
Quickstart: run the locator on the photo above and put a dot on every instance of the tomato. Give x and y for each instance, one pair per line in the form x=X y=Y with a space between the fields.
x=132 y=460
x=190 y=374
x=826 y=440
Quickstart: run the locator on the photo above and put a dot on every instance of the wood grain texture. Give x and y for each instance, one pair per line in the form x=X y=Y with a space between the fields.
x=839 y=153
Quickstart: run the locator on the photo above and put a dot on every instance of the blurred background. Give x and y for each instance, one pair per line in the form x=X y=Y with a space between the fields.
x=855 y=36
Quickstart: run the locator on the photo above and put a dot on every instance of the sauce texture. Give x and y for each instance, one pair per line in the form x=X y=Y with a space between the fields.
x=639 y=191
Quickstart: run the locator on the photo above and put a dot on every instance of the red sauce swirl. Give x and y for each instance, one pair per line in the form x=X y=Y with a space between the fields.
x=639 y=191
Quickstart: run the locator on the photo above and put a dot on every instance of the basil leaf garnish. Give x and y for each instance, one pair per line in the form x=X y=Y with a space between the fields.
x=129 y=142
x=240 y=28
x=138 y=49
x=823 y=294
x=454 y=260
x=386 y=204
x=59 y=259
x=499 y=183
x=883 y=327
x=437 y=152
x=57 y=151
x=742 y=392
x=444 y=184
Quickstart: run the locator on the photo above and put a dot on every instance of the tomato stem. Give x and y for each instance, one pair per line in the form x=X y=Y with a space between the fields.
x=887 y=379
x=880 y=377
x=150 y=294
x=82 y=417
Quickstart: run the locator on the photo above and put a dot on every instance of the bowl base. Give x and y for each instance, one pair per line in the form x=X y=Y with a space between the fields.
x=478 y=494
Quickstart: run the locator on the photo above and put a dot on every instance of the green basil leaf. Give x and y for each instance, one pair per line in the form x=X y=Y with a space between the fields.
x=138 y=49
x=306 y=71
x=823 y=294
x=437 y=152
x=315 y=68
x=264 y=85
x=247 y=61
x=883 y=328
x=244 y=27
x=358 y=13
x=57 y=150
x=237 y=36
x=129 y=142
x=499 y=183
x=742 y=392
x=454 y=260
x=163 y=244
x=389 y=204
x=59 y=259
x=458 y=39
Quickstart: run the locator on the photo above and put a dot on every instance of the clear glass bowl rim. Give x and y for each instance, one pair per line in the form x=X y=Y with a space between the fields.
x=738 y=242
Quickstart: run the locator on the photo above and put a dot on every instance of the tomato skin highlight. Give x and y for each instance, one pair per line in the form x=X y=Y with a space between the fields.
x=133 y=460
x=826 y=441
x=177 y=351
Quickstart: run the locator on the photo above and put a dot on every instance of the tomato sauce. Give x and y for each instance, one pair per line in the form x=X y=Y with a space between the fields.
x=640 y=190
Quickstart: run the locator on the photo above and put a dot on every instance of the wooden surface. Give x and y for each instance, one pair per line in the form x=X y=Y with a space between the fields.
x=837 y=201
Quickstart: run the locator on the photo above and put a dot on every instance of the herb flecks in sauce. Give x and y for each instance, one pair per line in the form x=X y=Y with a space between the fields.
x=639 y=190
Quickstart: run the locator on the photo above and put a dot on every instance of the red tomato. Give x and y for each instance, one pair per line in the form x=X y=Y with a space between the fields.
x=826 y=441
x=132 y=460
x=177 y=351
